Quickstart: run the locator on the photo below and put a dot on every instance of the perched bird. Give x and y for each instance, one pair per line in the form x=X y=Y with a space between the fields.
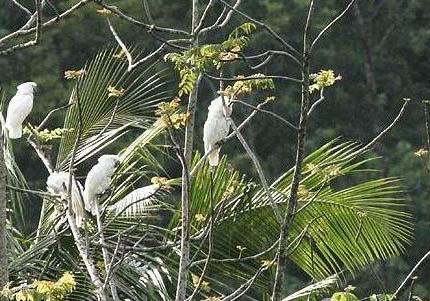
x=216 y=127
x=98 y=180
x=58 y=183
x=19 y=107
x=138 y=200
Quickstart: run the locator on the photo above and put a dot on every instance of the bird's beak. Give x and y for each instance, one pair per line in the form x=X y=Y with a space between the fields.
x=36 y=90
x=117 y=163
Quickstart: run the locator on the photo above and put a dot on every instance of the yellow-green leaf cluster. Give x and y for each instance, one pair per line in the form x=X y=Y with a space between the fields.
x=115 y=92
x=73 y=74
x=45 y=135
x=322 y=79
x=204 y=286
x=42 y=290
x=193 y=62
x=344 y=296
x=168 y=113
x=252 y=82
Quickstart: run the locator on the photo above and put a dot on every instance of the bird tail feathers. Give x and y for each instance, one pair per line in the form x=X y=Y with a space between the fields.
x=214 y=157
x=15 y=131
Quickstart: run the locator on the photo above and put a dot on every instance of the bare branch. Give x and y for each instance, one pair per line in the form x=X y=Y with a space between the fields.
x=24 y=29
x=269 y=53
x=133 y=21
x=248 y=284
x=399 y=289
x=259 y=170
x=45 y=120
x=289 y=124
x=22 y=7
x=316 y=103
x=218 y=24
x=204 y=14
x=265 y=26
x=331 y=24
x=233 y=79
x=369 y=145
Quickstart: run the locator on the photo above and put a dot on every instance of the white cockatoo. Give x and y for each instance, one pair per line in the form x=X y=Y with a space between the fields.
x=98 y=180
x=19 y=107
x=58 y=183
x=137 y=200
x=216 y=126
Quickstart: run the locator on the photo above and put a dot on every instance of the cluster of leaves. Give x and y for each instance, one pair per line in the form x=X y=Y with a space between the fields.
x=73 y=74
x=348 y=295
x=322 y=79
x=42 y=290
x=194 y=62
x=327 y=173
x=169 y=115
x=45 y=135
x=115 y=92
x=255 y=81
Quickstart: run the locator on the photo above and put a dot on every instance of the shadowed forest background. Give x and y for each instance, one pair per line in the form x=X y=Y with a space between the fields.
x=380 y=48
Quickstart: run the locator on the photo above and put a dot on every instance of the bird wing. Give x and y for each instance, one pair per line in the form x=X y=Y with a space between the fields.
x=19 y=108
x=215 y=129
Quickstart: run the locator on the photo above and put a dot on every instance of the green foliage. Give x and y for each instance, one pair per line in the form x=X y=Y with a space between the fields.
x=252 y=82
x=322 y=79
x=344 y=296
x=42 y=290
x=45 y=135
x=193 y=62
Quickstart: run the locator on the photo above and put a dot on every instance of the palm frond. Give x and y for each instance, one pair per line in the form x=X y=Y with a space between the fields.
x=334 y=230
x=102 y=116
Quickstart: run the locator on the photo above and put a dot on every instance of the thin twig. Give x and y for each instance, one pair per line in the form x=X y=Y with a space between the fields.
x=265 y=26
x=427 y=121
x=248 y=284
x=258 y=168
x=25 y=31
x=268 y=53
x=238 y=260
x=235 y=79
x=218 y=24
x=149 y=27
x=204 y=14
x=132 y=66
x=50 y=114
x=316 y=103
x=289 y=124
x=410 y=274
x=22 y=7
x=29 y=191
x=331 y=24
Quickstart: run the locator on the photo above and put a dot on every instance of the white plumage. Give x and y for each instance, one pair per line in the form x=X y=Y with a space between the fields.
x=216 y=127
x=98 y=180
x=58 y=183
x=19 y=107
x=137 y=201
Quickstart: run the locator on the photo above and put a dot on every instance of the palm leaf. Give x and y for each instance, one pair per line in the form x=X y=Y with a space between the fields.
x=335 y=230
x=102 y=118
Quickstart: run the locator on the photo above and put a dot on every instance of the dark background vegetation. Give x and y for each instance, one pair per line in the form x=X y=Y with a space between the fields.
x=381 y=49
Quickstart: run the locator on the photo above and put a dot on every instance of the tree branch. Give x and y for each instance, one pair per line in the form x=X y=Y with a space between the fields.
x=281 y=267
x=265 y=26
x=331 y=24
